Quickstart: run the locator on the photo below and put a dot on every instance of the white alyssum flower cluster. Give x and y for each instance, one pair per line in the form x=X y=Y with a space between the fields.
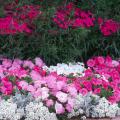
x=105 y=109
x=93 y=106
x=37 y=111
x=66 y=69
x=9 y=111
x=21 y=107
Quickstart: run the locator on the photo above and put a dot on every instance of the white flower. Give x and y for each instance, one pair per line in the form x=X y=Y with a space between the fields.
x=9 y=110
x=36 y=111
x=66 y=69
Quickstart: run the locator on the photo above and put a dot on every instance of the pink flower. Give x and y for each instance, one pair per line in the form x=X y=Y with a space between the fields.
x=59 y=108
x=30 y=88
x=17 y=62
x=108 y=27
x=112 y=99
x=61 y=78
x=71 y=101
x=51 y=81
x=108 y=61
x=69 y=108
x=60 y=85
x=45 y=93
x=7 y=84
x=28 y=63
x=117 y=95
x=5 y=91
x=49 y=102
x=61 y=96
x=37 y=93
x=83 y=91
x=105 y=84
x=88 y=85
x=100 y=60
x=43 y=72
x=91 y=63
x=39 y=62
x=97 y=90
x=115 y=63
x=7 y=63
x=88 y=72
x=96 y=81
x=35 y=75
x=72 y=90
x=23 y=85
x=70 y=6
x=21 y=73
x=37 y=83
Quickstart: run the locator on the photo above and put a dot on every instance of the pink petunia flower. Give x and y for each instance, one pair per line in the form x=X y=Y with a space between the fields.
x=59 y=108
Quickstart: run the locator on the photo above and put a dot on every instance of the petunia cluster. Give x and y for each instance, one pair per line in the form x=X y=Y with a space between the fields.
x=29 y=77
x=12 y=72
x=53 y=90
x=58 y=90
x=102 y=78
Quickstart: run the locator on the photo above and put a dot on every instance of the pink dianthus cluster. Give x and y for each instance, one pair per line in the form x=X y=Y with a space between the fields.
x=18 y=19
x=71 y=16
x=108 y=27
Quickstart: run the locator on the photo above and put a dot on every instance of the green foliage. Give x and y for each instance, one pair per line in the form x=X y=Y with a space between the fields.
x=55 y=45
x=105 y=93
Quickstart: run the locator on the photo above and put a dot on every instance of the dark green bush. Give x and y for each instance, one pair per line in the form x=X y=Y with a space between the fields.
x=55 y=45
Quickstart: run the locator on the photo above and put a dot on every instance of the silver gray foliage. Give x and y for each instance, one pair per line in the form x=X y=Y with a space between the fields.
x=93 y=106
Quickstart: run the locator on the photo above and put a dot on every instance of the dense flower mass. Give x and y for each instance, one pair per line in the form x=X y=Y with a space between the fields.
x=31 y=90
x=83 y=18
x=18 y=19
x=74 y=69
x=25 y=13
x=59 y=90
x=93 y=106
x=9 y=25
x=30 y=77
x=102 y=78
x=64 y=17
x=71 y=16
x=108 y=27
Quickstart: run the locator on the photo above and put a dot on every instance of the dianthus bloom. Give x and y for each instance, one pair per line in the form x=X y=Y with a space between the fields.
x=9 y=25
x=108 y=27
x=18 y=19
x=64 y=18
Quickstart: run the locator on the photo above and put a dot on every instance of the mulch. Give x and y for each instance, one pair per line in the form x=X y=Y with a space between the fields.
x=116 y=118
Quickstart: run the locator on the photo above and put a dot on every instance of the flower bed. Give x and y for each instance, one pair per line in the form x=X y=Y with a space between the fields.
x=32 y=91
